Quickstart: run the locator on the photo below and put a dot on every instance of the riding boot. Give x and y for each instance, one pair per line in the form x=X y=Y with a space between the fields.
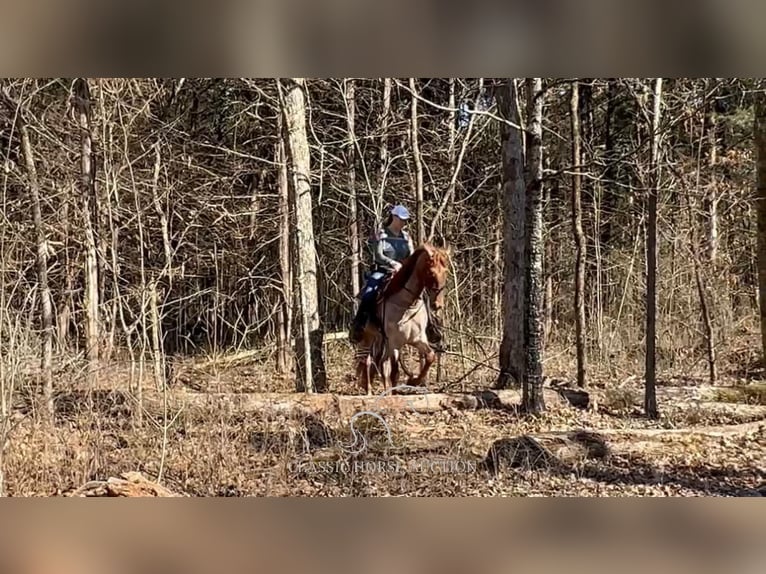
x=359 y=323
x=435 y=334
x=435 y=337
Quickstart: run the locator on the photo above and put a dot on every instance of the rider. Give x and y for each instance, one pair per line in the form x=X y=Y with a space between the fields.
x=390 y=246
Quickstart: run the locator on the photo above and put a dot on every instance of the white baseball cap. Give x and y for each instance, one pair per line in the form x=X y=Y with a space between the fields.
x=401 y=212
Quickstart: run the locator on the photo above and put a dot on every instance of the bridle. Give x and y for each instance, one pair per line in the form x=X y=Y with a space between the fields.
x=432 y=291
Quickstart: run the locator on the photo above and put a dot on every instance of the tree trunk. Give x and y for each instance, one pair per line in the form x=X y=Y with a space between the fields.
x=353 y=217
x=64 y=318
x=92 y=325
x=384 y=144
x=158 y=359
x=421 y=228
x=711 y=197
x=533 y=312
x=650 y=397
x=284 y=330
x=579 y=237
x=46 y=306
x=702 y=290
x=512 y=360
x=548 y=271
x=311 y=369
x=760 y=145
x=447 y=225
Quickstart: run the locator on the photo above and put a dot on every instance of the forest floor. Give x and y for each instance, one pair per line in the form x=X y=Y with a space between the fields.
x=707 y=442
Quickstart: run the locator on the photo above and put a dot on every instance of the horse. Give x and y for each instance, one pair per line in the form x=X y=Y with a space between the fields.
x=403 y=314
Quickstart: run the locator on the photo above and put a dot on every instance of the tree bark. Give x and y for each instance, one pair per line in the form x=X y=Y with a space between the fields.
x=87 y=182
x=579 y=237
x=46 y=305
x=711 y=197
x=760 y=146
x=533 y=398
x=311 y=369
x=548 y=271
x=285 y=320
x=384 y=159
x=650 y=396
x=353 y=216
x=414 y=137
x=512 y=361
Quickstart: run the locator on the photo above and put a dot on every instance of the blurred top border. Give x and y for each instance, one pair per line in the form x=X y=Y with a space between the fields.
x=323 y=38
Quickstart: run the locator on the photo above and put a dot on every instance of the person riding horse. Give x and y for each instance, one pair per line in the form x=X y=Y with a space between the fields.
x=390 y=246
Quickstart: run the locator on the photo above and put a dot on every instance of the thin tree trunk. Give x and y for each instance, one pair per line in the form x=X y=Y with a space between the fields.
x=650 y=397
x=285 y=327
x=384 y=159
x=353 y=217
x=455 y=167
x=579 y=237
x=512 y=360
x=760 y=146
x=451 y=158
x=548 y=271
x=111 y=188
x=445 y=226
x=497 y=269
x=414 y=137
x=67 y=299
x=164 y=226
x=311 y=372
x=702 y=290
x=92 y=323
x=532 y=393
x=711 y=197
x=157 y=355
x=139 y=411
x=46 y=306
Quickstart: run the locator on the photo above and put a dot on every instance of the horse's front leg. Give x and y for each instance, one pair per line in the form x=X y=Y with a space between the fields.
x=427 y=358
x=386 y=368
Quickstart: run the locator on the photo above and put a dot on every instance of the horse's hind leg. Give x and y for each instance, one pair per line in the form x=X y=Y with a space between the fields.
x=386 y=373
x=395 y=370
x=369 y=373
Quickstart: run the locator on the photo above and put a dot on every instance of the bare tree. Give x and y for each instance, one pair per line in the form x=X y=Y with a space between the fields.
x=353 y=217
x=533 y=270
x=711 y=196
x=311 y=369
x=384 y=153
x=760 y=146
x=82 y=104
x=285 y=315
x=579 y=236
x=512 y=360
x=650 y=396
x=414 y=136
x=46 y=303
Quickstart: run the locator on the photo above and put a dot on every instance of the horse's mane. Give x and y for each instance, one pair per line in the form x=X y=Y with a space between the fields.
x=400 y=278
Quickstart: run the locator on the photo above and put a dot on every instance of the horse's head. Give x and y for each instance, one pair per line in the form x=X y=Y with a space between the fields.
x=434 y=270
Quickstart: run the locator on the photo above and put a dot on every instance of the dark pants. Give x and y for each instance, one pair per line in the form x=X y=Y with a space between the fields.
x=366 y=310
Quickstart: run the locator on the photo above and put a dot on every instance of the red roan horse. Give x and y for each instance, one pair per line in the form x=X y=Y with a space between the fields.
x=402 y=311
